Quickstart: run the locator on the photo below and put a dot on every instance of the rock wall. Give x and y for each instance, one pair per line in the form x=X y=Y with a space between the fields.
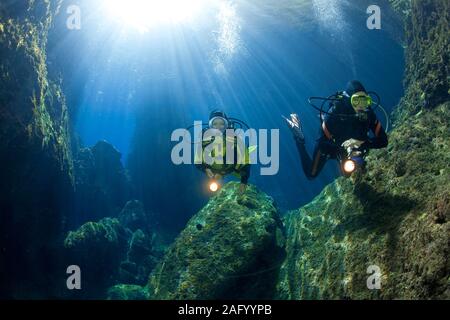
x=36 y=165
x=397 y=215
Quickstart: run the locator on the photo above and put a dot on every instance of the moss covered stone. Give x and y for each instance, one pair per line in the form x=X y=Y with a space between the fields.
x=36 y=177
x=228 y=250
x=127 y=292
x=35 y=107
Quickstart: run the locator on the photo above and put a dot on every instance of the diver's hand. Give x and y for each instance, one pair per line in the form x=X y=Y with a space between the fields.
x=294 y=125
x=218 y=177
x=209 y=173
x=352 y=144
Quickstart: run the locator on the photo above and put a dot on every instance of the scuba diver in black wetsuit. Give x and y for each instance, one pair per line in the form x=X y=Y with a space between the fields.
x=344 y=134
x=218 y=120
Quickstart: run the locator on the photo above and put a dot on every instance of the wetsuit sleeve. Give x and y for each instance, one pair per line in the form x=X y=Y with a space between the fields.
x=379 y=139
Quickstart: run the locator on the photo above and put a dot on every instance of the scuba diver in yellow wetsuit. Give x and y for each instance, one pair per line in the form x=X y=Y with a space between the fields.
x=349 y=129
x=240 y=164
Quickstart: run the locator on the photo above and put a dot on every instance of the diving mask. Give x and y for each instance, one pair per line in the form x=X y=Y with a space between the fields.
x=361 y=101
x=218 y=123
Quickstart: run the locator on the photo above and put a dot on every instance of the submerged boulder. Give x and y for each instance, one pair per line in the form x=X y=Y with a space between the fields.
x=109 y=252
x=231 y=249
x=101 y=182
x=98 y=249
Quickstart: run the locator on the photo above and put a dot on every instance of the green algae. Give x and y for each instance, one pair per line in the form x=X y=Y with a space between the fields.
x=38 y=108
x=127 y=292
x=237 y=242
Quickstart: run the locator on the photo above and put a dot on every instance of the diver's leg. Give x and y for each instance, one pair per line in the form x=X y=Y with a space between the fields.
x=319 y=160
x=311 y=167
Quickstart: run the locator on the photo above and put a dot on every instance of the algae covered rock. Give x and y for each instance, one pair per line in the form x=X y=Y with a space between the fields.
x=427 y=57
x=98 y=249
x=230 y=249
x=127 y=292
x=108 y=253
x=36 y=174
x=107 y=235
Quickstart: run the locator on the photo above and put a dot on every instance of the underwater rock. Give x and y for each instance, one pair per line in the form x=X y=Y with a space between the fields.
x=106 y=234
x=121 y=255
x=98 y=249
x=133 y=216
x=394 y=218
x=140 y=246
x=127 y=292
x=36 y=175
x=140 y=260
x=102 y=184
x=110 y=173
x=235 y=254
x=427 y=58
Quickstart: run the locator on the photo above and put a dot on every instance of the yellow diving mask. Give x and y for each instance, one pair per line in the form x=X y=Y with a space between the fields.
x=361 y=101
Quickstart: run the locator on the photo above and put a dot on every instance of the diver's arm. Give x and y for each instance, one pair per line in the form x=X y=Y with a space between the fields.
x=380 y=139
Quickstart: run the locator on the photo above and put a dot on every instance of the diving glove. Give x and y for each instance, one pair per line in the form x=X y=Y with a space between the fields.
x=296 y=128
x=352 y=144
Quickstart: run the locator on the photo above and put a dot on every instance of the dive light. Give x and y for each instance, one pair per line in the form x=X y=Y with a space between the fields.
x=214 y=186
x=352 y=163
x=349 y=166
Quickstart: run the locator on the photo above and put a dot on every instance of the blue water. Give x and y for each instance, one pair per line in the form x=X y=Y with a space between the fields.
x=134 y=89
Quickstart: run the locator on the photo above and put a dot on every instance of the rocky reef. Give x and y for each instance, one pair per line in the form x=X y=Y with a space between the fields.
x=396 y=216
x=232 y=248
x=113 y=251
